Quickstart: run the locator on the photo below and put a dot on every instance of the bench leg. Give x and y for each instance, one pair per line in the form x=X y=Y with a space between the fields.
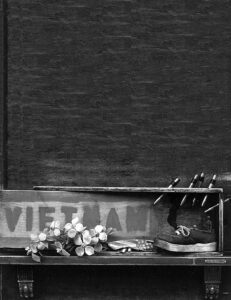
x=212 y=279
x=1 y=288
x=25 y=282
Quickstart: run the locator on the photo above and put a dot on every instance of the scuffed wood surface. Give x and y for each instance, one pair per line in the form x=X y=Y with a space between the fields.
x=134 y=259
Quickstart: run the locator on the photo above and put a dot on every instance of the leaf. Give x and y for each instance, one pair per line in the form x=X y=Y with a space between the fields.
x=94 y=240
x=46 y=230
x=36 y=258
x=64 y=252
x=68 y=226
x=92 y=232
x=75 y=221
x=58 y=245
x=33 y=248
x=110 y=230
x=46 y=244
x=57 y=224
x=51 y=238
x=77 y=240
x=98 y=247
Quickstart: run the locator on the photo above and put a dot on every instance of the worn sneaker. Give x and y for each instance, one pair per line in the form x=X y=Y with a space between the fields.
x=187 y=240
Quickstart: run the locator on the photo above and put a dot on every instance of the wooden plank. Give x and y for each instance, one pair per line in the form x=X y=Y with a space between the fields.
x=122 y=259
x=131 y=214
x=129 y=189
x=100 y=260
x=1 y=287
x=221 y=223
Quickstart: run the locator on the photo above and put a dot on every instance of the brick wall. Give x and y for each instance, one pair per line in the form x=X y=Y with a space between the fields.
x=118 y=92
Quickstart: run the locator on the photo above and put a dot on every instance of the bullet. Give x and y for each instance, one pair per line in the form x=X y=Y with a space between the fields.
x=201 y=180
x=172 y=184
x=192 y=184
x=211 y=185
x=216 y=205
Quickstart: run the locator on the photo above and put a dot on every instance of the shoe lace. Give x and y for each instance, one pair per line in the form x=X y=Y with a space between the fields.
x=183 y=230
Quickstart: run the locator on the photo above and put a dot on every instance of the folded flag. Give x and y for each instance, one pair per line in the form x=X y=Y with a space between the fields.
x=134 y=244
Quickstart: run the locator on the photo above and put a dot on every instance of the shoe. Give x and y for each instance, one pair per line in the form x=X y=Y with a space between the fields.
x=187 y=240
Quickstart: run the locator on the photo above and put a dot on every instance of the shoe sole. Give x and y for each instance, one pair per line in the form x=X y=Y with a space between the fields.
x=209 y=247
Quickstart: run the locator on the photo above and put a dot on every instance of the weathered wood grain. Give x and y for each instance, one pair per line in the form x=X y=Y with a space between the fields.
x=129 y=189
x=137 y=259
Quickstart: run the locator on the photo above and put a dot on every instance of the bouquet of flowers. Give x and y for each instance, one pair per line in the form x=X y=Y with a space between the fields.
x=72 y=239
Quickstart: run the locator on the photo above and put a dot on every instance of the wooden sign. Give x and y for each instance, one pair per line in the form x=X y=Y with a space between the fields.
x=131 y=214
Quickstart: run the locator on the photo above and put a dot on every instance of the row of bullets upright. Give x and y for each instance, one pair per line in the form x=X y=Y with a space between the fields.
x=197 y=181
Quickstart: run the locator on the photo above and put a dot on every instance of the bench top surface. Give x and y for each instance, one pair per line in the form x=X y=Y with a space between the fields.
x=129 y=189
x=132 y=259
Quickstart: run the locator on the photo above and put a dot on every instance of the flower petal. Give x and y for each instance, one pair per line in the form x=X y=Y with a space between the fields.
x=89 y=250
x=75 y=221
x=68 y=226
x=79 y=251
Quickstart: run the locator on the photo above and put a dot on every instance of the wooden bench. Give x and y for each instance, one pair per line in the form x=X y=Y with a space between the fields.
x=130 y=210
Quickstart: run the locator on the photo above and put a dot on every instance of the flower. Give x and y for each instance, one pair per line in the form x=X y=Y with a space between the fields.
x=71 y=233
x=34 y=237
x=73 y=237
x=42 y=236
x=103 y=236
x=41 y=246
x=98 y=228
x=86 y=240
x=57 y=232
x=79 y=227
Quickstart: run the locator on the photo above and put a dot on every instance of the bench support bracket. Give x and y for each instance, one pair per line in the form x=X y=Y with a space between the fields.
x=25 y=282
x=212 y=280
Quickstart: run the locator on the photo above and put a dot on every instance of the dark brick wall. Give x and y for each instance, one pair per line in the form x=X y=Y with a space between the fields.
x=1 y=87
x=118 y=92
